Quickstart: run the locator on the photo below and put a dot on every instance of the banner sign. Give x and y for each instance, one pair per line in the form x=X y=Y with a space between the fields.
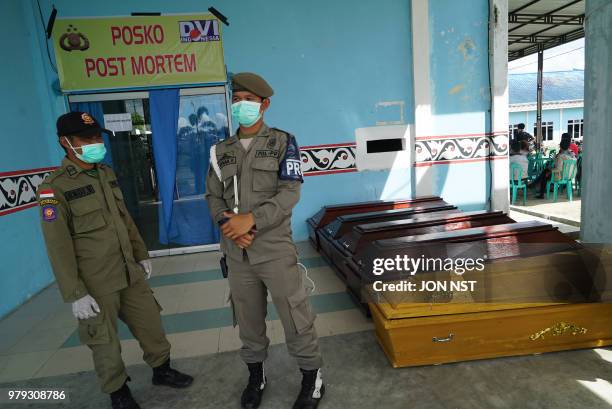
x=143 y=51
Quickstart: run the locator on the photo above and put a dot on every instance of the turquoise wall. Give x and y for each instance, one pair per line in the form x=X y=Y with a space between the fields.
x=27 y=117
x=460 y=93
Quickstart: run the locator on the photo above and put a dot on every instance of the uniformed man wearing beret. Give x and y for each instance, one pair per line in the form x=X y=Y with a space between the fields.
x=252 y=185
x=100 y=261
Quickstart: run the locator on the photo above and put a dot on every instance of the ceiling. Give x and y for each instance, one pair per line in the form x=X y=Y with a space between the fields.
x=535 y=25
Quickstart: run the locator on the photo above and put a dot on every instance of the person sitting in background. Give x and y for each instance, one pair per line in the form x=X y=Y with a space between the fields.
x=518 y=156
x=574 y=148
x=525 y=148
x=564 y=154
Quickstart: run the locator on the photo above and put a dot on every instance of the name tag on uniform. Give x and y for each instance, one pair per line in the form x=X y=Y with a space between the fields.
x=79 y=193
x=266 y=153
x=227 y=159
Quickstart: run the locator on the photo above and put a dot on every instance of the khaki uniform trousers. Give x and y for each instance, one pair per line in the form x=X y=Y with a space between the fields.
x=249 y=285
x=137 y=307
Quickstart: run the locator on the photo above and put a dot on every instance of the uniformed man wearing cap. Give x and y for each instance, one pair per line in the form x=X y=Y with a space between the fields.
x=253 y=184
x=100 y=260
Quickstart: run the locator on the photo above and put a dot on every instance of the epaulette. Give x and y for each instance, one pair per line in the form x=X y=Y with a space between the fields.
x=54 y=175
x=224 y=140
x=281 y=131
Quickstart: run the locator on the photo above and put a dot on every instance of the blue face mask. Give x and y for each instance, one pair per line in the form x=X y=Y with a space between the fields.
x=246 y=113
x=92 y=153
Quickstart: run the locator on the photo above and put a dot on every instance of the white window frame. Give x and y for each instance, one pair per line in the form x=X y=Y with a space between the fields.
x=511 y=128
x=575 y=123
x=547 y=130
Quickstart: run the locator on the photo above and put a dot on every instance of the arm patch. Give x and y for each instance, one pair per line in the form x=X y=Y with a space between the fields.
x=291 y=165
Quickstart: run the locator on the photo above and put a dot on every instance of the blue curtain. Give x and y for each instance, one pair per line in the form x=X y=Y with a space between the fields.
x=95 y=110
x=164 y=106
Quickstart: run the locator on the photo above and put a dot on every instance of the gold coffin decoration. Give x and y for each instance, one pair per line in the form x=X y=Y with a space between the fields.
x=559 y=328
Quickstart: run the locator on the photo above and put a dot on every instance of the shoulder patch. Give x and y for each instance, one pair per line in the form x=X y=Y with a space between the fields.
x=290 y=167
x=46 y=193
x=49 y=213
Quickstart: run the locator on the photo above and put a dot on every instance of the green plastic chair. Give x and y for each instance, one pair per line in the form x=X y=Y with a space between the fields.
x=516 y=182
x=552 y=153
x=568 y=173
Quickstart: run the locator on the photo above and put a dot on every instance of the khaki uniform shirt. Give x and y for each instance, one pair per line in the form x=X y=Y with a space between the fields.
x=92 y=242
x=261 y=190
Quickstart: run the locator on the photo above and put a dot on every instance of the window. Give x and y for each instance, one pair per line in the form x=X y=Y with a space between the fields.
x=574 y=128
x=547 y=130
x=511 y=129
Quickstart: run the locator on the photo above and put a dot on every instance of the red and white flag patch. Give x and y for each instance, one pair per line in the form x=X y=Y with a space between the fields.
x=46 y=194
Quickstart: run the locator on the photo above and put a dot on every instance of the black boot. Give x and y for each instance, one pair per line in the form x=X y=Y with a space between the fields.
x=251 y=396
x=122 y=398
x=164 y=375
x=312 y=390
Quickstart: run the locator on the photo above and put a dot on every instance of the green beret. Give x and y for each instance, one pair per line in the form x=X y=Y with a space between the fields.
x=247 y=81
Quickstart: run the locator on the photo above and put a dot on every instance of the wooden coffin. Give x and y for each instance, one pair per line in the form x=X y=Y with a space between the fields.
x=459 y=329
x=503 y=241
x=329 y=213
x=343 y=224
x=357 y=238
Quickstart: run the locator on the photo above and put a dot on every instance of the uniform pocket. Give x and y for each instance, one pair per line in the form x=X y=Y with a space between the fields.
x=265 y=175
x=94 y=331
x=159 y=307
x=227 y=175
x=301 y=312
x=87 y=216
x=233 y=309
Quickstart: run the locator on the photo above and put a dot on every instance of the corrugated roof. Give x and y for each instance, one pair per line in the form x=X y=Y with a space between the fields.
x=542 y=24
x=557 y=86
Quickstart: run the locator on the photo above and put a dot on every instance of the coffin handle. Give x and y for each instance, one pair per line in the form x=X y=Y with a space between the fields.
x=449 y=338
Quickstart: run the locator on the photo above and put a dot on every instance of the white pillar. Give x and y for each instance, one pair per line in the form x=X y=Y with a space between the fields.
x=422 y=177
x=596 y=217
x=498 y=65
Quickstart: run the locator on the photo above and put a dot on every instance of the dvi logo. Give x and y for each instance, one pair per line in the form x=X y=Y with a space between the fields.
x=199 y=31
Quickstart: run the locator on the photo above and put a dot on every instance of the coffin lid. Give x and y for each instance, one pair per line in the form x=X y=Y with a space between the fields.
x=426 y=218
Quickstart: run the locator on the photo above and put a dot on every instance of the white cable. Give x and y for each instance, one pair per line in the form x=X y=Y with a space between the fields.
x=314 y=287
x=236 y=202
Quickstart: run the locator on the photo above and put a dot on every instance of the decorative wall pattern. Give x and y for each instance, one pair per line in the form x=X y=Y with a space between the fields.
x=325 y=159
x=431 y=150
x=18 y=189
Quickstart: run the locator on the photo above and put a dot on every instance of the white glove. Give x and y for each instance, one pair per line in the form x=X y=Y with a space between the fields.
x=84 y=308
x=147 y=267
